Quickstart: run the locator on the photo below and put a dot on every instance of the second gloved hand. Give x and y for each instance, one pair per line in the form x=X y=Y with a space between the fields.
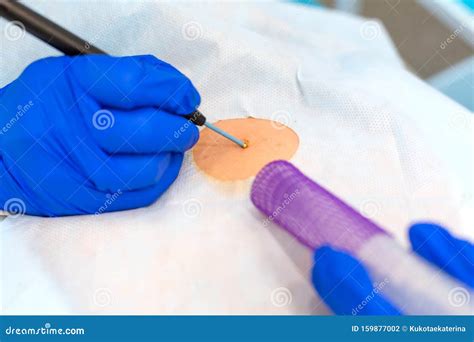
x=91 y=134
x=345 y=285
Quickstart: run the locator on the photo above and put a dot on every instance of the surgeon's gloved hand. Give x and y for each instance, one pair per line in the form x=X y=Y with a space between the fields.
x=92 y=134
x=344 y=284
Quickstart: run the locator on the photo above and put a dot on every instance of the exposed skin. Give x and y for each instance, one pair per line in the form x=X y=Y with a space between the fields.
x=224 y=160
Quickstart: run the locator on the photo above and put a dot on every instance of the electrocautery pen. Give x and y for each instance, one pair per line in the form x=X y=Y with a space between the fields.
x=72 y=45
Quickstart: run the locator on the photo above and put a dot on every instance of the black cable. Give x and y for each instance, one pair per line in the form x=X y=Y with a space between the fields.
x=46 y=30
x=59 y=38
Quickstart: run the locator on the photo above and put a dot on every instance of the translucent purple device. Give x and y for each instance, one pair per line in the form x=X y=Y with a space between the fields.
x=316 y=217
x=307 y=210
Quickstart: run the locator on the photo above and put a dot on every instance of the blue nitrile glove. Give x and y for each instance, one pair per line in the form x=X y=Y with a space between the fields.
x=91 y=134
x=343 y=283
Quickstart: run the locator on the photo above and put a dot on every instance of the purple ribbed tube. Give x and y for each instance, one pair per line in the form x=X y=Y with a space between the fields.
x=306 y=210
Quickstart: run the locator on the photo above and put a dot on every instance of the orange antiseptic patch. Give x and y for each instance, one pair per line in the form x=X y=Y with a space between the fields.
x=224 y=160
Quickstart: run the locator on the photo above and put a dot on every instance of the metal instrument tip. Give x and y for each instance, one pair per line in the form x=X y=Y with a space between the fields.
x=241 y=143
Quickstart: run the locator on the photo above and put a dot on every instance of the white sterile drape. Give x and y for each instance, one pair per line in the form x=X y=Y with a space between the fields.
x=370 y=131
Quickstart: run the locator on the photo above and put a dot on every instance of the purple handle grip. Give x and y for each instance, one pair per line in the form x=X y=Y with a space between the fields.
x=306 y=210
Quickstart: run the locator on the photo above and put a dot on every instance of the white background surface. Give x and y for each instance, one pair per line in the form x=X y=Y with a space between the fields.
x=369 y=131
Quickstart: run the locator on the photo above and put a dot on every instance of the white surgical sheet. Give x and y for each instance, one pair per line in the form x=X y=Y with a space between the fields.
x=370 y=131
